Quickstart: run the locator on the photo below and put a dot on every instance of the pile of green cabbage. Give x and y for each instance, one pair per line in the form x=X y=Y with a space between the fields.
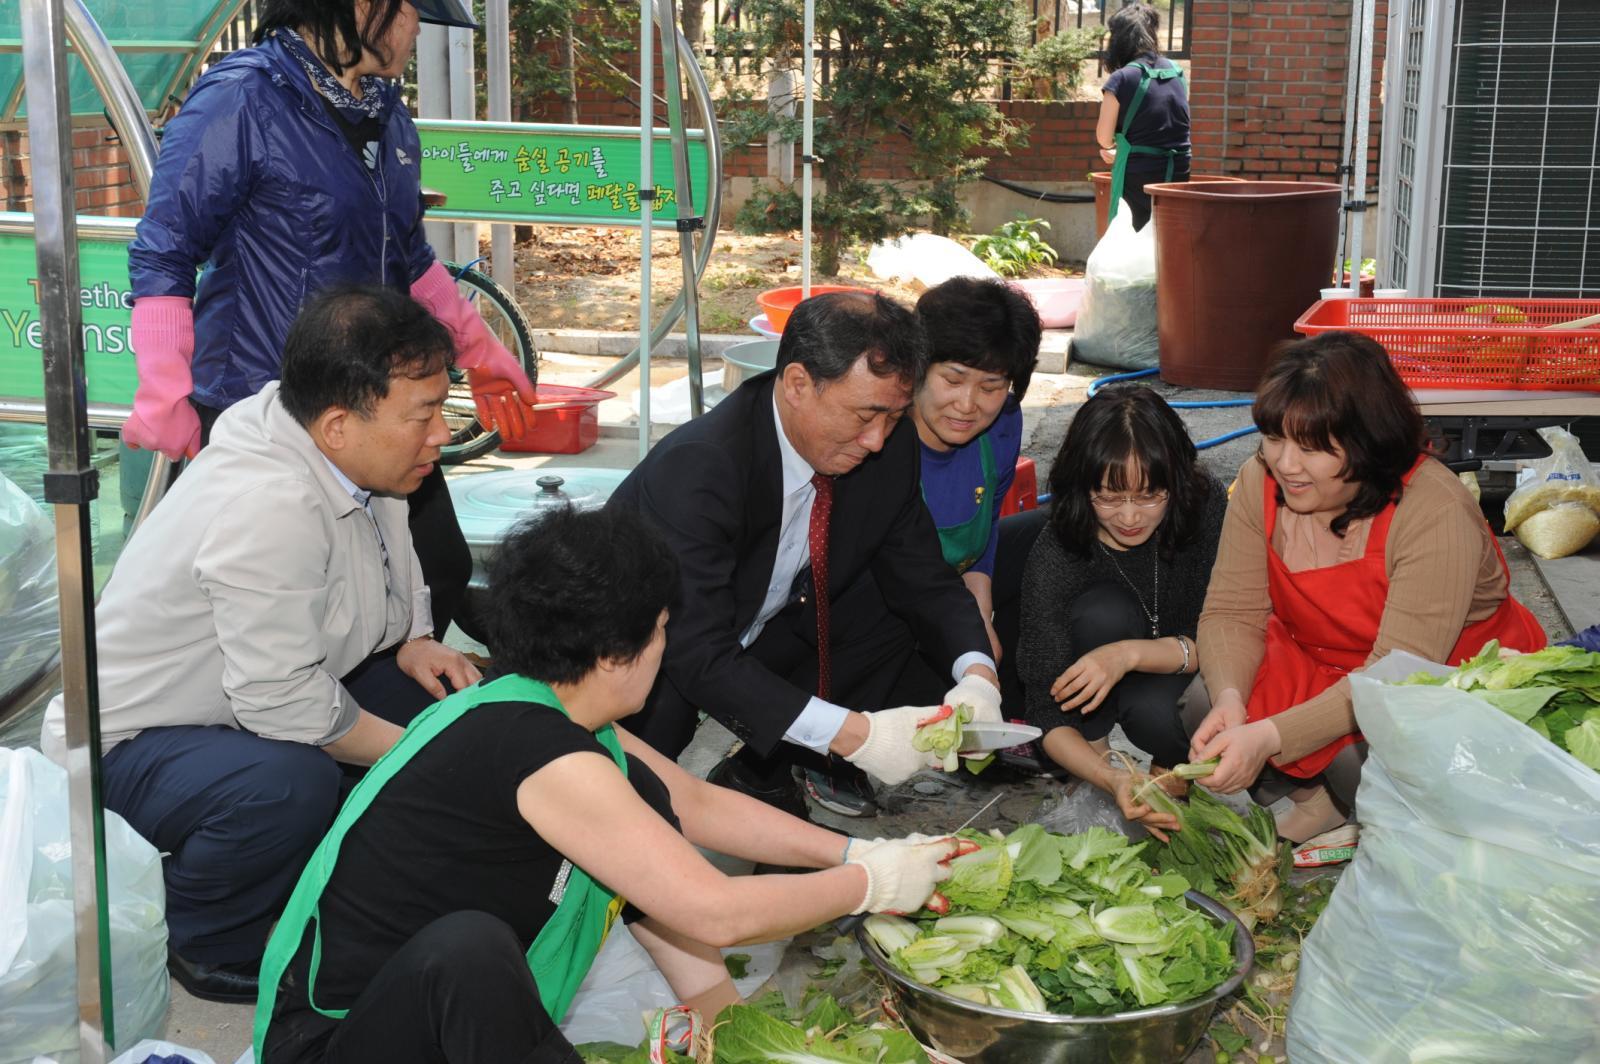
x=1554 y=691
x=1072 y=924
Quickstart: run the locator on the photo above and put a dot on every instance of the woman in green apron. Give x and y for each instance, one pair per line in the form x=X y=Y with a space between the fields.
x=1143 y=131
x=983 y=341
x=465 y=888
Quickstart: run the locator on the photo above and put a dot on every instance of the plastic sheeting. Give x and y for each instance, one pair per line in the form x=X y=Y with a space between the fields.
x=38 y=970
x=1468 y=927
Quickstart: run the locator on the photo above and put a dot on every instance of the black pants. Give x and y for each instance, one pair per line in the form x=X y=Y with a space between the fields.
x=1137 y=199
x=1341 y=777
x=1017 y=533
x=237 y=815
x=1146 y=704
x=458 y=992
x=435 y=535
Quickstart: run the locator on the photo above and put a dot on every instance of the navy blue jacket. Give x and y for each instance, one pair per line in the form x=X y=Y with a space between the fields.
x=258 y=185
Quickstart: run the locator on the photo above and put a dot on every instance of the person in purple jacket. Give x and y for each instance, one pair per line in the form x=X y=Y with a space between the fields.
x=294 y=166
x=983 y=341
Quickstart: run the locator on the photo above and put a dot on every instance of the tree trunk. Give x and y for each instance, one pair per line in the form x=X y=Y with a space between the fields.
x=569 y=57
x=692 y=16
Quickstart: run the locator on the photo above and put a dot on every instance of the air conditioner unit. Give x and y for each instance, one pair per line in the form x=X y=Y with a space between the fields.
x=1491 y=127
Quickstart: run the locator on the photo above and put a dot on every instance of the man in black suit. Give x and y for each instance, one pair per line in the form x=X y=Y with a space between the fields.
x=803 y=473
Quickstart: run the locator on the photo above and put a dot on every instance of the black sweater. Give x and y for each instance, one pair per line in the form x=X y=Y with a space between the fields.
x=1056 y=576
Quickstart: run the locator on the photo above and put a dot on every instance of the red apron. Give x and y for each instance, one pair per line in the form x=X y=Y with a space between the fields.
x=1325 y=621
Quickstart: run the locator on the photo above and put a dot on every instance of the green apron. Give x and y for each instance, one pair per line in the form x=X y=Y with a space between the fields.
x=965 y=543
x=1119 y=169
x=566 y=946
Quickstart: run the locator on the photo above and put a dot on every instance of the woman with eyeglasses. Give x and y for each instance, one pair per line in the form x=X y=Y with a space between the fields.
x=1344 y=540
x=1113 y=591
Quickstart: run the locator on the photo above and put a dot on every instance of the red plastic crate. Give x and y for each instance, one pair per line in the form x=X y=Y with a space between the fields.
x=1473 y=343
x=564 y=421
x=1024 y=493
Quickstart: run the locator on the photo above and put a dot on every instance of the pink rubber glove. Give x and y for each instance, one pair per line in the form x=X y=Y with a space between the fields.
x=163 y=347
x=477 y=351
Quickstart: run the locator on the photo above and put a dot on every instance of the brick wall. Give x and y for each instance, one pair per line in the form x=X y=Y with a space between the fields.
x=1266 y=86
x=99 y=167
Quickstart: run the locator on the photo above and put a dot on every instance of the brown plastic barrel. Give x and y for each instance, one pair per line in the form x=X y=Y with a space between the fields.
x=1236 y=264
x=1102 y=196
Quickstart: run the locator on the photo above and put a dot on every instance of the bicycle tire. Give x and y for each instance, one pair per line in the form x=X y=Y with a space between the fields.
x=468 y=437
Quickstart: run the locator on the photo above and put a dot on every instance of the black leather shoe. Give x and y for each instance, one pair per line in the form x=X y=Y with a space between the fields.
x=782 y=794
x=216 y=982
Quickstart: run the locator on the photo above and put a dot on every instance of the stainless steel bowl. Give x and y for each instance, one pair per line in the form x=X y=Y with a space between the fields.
x=981 y=1034
x=743 y=361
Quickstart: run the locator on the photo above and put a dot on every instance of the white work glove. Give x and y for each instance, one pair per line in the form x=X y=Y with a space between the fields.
x=901 y=874
x=887 y=753
x=856 y=848
x=980 y=694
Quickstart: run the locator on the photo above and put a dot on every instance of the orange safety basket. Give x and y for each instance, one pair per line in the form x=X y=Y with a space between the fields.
x=1489 y=343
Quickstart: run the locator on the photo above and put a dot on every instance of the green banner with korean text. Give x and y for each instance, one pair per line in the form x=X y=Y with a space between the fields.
x=582 y=175
x=103 y=292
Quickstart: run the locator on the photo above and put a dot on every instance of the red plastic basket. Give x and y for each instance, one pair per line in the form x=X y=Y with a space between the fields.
x=1474 y=343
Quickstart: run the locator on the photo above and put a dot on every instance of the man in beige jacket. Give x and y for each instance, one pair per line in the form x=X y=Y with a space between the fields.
x=269 y=621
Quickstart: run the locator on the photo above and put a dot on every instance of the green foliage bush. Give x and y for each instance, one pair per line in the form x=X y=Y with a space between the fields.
x=1016 y=247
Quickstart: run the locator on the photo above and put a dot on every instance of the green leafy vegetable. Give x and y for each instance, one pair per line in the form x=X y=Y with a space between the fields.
x=979 y=880
x=738 y=964
x=1072 y=924
x=940 y=734
x=1555 y=691
x=1237 y=859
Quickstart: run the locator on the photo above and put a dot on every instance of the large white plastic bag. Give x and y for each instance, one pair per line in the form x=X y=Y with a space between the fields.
x=624 y=984
x=38 y=972
x=1116 y=324
x=1468 y=927
x=29 y=621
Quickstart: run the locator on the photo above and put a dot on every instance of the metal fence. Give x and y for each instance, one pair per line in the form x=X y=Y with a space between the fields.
x=1046 y=17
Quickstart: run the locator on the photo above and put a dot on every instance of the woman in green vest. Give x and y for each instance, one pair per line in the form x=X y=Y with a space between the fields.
x=1143 y=131
x=466 y=886
x=983 y=341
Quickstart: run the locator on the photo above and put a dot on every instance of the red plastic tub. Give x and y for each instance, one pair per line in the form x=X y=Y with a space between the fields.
x=1024 y=493
x=1491 y=343
x=779 y=303
x=565 y=420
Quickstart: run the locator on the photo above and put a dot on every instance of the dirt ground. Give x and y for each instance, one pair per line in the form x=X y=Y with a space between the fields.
x=588 y=278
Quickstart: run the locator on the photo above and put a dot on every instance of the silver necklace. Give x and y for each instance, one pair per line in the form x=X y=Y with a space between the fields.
x=1151 y=615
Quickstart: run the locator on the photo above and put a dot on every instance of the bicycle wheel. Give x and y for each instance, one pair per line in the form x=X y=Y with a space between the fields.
x=468 y=438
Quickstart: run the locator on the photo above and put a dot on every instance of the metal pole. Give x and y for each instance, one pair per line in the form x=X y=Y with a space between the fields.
x=463 y=105
x=1347 y=142
x=808 y=119
x=433 y=101
x=497 y=47
x=688 y=221
x=1357 y=206
x=700 y=93
x=647 y=195
x=70 y=485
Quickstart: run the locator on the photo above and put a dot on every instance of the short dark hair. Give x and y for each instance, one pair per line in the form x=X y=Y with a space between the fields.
x=330 y=27
x=983 y=323
x=570 y=588
x=1339 y=389
x=1134 y=29
x=349 y=341
x=1122 y=432
x=827 y=334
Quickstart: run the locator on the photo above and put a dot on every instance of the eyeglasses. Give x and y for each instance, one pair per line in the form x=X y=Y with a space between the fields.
x=1148 y=500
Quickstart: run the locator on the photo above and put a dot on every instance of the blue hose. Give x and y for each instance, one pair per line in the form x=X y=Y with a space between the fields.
x=1209 y=404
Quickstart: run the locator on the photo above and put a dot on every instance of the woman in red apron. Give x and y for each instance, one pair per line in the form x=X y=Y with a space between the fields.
x=1344 y=540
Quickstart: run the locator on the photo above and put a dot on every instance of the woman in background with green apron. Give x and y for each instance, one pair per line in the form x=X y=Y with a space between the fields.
x=1143 y=131
x=983 y=341
x=465 y=888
